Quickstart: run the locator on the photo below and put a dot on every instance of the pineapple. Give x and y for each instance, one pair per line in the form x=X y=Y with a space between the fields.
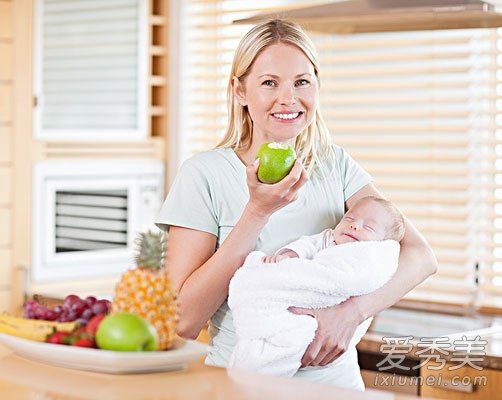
x=146 y=289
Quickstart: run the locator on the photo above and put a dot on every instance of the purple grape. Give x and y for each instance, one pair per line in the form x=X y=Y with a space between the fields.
x=90 y=300
x=100 y=307
x=63 y=317
x=70 y=299
x=41 y=312
x=30 y=304
x=78 y=307
x=29 y=308
x=87 y=314
x=108 y=305
x=72 y=316
x=51 y=315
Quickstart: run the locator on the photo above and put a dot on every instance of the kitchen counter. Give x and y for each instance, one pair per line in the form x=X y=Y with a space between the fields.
x=397 y=323
x=22 y=379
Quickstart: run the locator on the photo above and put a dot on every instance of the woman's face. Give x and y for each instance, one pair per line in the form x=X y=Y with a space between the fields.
x=281 y=93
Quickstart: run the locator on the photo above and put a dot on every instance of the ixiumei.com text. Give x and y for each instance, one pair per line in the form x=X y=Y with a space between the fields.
x=431 y=380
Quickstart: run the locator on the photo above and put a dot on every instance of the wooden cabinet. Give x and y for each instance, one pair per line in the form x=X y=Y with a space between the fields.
x=19 y=150
x=465 y=383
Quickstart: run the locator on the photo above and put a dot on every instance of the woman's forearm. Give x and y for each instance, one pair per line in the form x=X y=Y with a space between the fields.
x=207 y=287
x=203 y=281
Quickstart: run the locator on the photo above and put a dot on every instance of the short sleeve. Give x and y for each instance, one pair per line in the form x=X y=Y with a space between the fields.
x=190 y=201
x=353 y=176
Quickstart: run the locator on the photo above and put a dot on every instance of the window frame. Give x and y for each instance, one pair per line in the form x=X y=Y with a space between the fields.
x=96 y=134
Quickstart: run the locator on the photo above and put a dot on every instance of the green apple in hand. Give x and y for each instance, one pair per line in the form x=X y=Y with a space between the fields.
x=126 y=332
x=276 y=160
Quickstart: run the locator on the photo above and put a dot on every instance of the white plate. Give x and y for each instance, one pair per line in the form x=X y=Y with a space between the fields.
x=113 y=362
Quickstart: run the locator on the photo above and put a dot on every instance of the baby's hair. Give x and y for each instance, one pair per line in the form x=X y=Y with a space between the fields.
x=396 y=230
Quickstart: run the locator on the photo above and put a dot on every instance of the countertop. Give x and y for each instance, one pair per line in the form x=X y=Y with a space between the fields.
x=452 y=333
x=25 y=379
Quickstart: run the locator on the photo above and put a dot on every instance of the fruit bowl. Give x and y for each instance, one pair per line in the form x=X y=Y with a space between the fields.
x=111 y=362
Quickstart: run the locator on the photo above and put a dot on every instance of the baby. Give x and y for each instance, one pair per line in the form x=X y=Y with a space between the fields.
x=311 y=272
x=371 y=218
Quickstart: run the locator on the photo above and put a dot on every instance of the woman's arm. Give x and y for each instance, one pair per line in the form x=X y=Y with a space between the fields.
x=337 y=324
x=200 y=274
x=416 y=263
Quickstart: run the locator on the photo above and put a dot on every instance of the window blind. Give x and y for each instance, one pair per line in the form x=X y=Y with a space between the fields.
x=91 y=69
x=418 y=110
x=413 y=108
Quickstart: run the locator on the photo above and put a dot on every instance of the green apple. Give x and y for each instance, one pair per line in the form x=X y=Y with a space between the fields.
x=126 y=332
x=276 y=160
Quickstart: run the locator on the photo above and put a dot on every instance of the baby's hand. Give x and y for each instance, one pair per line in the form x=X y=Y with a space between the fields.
x=273 y=259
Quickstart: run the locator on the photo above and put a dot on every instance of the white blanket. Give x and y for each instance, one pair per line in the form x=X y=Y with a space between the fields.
x=271 y=339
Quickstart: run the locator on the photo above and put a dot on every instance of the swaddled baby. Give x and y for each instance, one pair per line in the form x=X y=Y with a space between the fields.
x=356 y=257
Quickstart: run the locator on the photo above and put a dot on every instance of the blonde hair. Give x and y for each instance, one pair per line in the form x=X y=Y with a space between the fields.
x=396 y=228
x=313 y=144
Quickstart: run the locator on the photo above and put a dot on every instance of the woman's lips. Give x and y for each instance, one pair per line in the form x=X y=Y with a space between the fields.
x=287 y=117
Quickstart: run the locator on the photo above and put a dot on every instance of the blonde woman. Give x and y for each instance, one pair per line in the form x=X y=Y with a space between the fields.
x=217 y=212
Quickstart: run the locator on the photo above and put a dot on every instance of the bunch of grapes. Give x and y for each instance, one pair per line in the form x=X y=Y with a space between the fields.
x=73 y=308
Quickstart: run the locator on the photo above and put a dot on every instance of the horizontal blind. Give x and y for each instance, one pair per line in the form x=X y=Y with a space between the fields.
x=91 y=66
x=489 y=193
x=411 y=108
x=418 y=110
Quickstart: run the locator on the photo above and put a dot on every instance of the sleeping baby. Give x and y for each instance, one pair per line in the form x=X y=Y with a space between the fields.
x=357 y=257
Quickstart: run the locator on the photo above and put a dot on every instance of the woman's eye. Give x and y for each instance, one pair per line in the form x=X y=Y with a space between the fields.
x=369 y=228
x=268 y=82
x=348 y=219
x=302 y=82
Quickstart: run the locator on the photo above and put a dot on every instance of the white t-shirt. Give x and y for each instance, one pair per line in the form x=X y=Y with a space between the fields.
x=210 y=193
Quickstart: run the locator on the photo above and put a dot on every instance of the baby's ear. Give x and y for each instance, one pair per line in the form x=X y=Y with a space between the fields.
x=238 y=90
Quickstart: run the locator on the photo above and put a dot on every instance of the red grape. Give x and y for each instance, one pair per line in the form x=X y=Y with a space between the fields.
x=73 y=308
x=78 y=306
x=100 y=307
x=90 y=300
x=70 y=299
x=87 y=314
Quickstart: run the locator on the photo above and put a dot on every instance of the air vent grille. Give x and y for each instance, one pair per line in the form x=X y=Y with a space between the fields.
x=91 y=220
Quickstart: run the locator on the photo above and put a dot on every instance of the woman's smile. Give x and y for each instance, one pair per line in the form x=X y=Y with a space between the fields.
x=287 y=117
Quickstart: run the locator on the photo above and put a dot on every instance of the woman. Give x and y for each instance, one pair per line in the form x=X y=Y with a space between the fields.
x=217 y=211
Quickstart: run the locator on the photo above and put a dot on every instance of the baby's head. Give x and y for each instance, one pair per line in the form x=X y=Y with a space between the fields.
x=371 y=218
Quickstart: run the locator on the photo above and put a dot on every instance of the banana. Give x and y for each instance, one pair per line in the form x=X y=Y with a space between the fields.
x=32 y=329
x=38 y=335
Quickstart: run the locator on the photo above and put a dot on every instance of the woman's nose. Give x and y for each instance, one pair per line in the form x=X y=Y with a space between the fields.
x=354 y=226
x=287 y=95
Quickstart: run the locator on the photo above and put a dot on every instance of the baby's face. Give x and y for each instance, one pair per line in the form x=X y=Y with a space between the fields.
x=366 y=220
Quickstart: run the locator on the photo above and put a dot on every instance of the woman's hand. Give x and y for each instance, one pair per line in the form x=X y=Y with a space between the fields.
x=265 y=199
x=336 y=326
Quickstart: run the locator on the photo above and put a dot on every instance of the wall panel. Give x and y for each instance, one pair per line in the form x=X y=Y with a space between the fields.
x=5 y=227
x=5 y=61
x=6 y=186
x=5 y=103
x=5 y=267
x=5 y=19
x=5 y=144
x=5 y=297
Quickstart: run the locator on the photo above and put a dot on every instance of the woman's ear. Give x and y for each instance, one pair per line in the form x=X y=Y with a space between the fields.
x=238 y=91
